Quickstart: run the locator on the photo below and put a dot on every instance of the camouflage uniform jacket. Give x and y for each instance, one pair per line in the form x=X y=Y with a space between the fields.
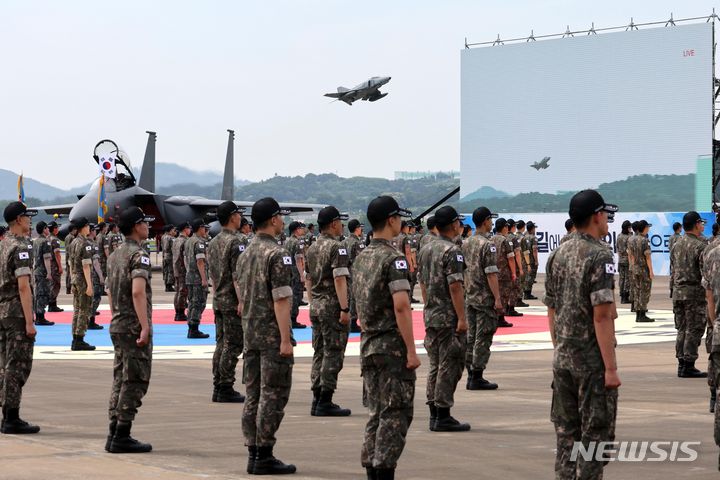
x=96 y=256
x=68 y=241
x=42 y=249
x=195 y=249
x=711 y=281
x=127 y=262
x=15 y=261
x=81 y=253
x=113 y=242
x=178 y=253
x=687 y=256
x=673 y=240
x=480 y=260
x=354 y=246
x=440 y=264
x=223 y=252
x=166 y=242
x=580 y=276
x=399 y=242
x=505 y=252
x=325 y=260
x=622 y=249
x=263 y=277
x=379 y=272
x=55 y=245
x=528 y=244
x=427 y=238
x=638 y=246
x=296 y=248
x=100 y=241
x=712 y=243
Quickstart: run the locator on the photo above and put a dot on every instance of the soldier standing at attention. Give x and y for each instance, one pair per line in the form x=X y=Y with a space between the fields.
x=326 y=283
x=102 y=229
x=42 y=255
x=623 y=262
x=130 y=298
x=295 y=245
x=81 y=259
x=223 y=252
x=631 y=261
x=98 y=279
x=431 y=234
x=166 y=242
x=643 y=273
x=516 y=271
x=17 y=331
x=672 y=240
x=441 y=282
x=68 y=241
x=265 y=296
x=505 y=262
x=196 y=277
x=387 y=346
x=179 y=270
x=530 y=255
x=482 y=298
x=689 y=302
x=569 y=230
x=581 y=312
x=354 y=246
x=414 y=248
x=522 y=268
x=310 y=235
x=56 y=268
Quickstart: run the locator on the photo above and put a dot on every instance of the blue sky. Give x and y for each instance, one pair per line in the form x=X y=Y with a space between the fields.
x=75 y=72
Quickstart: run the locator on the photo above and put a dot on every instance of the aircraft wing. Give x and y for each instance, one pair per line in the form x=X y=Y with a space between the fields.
x=56 y=209
x=207 y=203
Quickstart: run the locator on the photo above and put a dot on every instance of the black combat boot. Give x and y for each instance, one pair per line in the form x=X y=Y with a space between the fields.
x=529 y=295
x=316 y=400
x=92 y=325
x=295 y=324
x=227 y=394
x=180 y=316
x=520 y=303
x=625 y=298
x=326 y=408
x=252 y=456
x=122 y=442
x=169 y=288
x=385 y=474
x=40 y=320
x=469 y=377
x=433 y=416
x=111 y=433
x=12 y=424
x=53 y=307
x=194 y=332
x=681 y=366
x=446 y=423
x=79 y=344
x=511 y=312
x=354 y=327
x=713 y=398
x=641 y=317
x=371 y=473
x=691 y=372
x=267 y=464
x=479 y=383
x=502 y=322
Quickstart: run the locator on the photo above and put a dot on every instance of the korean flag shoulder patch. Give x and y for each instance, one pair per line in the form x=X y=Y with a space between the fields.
x=400 y=264
x=287 y=261
x=145 y=260
x=88 y=247
x=342 y=251
x=610 y=269
x=460 y=258
x=241 y=248
x=493 y=248
x=24 y=256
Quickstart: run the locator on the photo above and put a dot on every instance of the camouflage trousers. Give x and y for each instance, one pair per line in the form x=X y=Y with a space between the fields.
x=197 y=300
x=506 y=290
x=68 y=280
x=690 y=322
x=41 y=297
x=446 y=355
x=181 y=294
x=55 y=286
x=228 y=347
x=268 y=379
x=530 y=277
x=329 y=338
x=98 y=289
x=413 y=282
x=516 y=291
x=82 y=305
x=297 y=297
x=16 y=357
x=641 y=297
x=351 y=300
x=390 y=389
x=715 y=361
x=482 y=325
x=167 y=272
x=712 y=374
x=131 y=376
x=623 y=281
x=583 y=410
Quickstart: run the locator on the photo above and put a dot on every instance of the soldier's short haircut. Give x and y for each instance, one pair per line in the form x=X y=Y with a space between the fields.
x=126 y=229
x=677 y=226
x=379 y=225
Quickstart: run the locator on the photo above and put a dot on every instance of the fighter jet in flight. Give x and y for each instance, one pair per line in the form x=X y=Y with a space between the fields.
x=542 y=164
x=365 y=91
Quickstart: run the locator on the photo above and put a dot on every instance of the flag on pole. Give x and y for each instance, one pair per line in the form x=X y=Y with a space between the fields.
x=102 y=200
x=107 y=165
x=21 y=189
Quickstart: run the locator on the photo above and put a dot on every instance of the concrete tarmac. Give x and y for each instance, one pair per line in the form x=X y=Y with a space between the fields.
x=511 y=437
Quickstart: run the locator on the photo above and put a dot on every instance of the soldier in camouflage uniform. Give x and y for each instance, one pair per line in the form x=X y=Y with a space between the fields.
x=689 y=303
x=414 y=248
x=505 y=263
x=522 y=270
x=672 y=240
x=295 y=245
x=482 y=298
x=530 y=257
x=68 y=241
x=196 y=277
x=265 y=296
x=711 y=282
x=354 y=246
x=98 y=279
x=179 y=271
x=310 y=235
x=56 y=268
x=326 y=264
x=81 y=255
x=431 y=234
x=514 y=291
x=623 y=262
x=166 y=242
x=131 y=331
x=569 y=230
x=631 y=265
x=113 y=240
x=581 y=311
x=17 y=331
x=102 y=229
x=387 y=347
x=223 y=252
x=42 y=258
x=440 y=275
x=642 y=270
x=712 y=243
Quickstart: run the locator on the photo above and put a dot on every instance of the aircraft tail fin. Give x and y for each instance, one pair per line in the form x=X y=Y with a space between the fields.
x=228 y=188
x=147 y=175
x=343 y=90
